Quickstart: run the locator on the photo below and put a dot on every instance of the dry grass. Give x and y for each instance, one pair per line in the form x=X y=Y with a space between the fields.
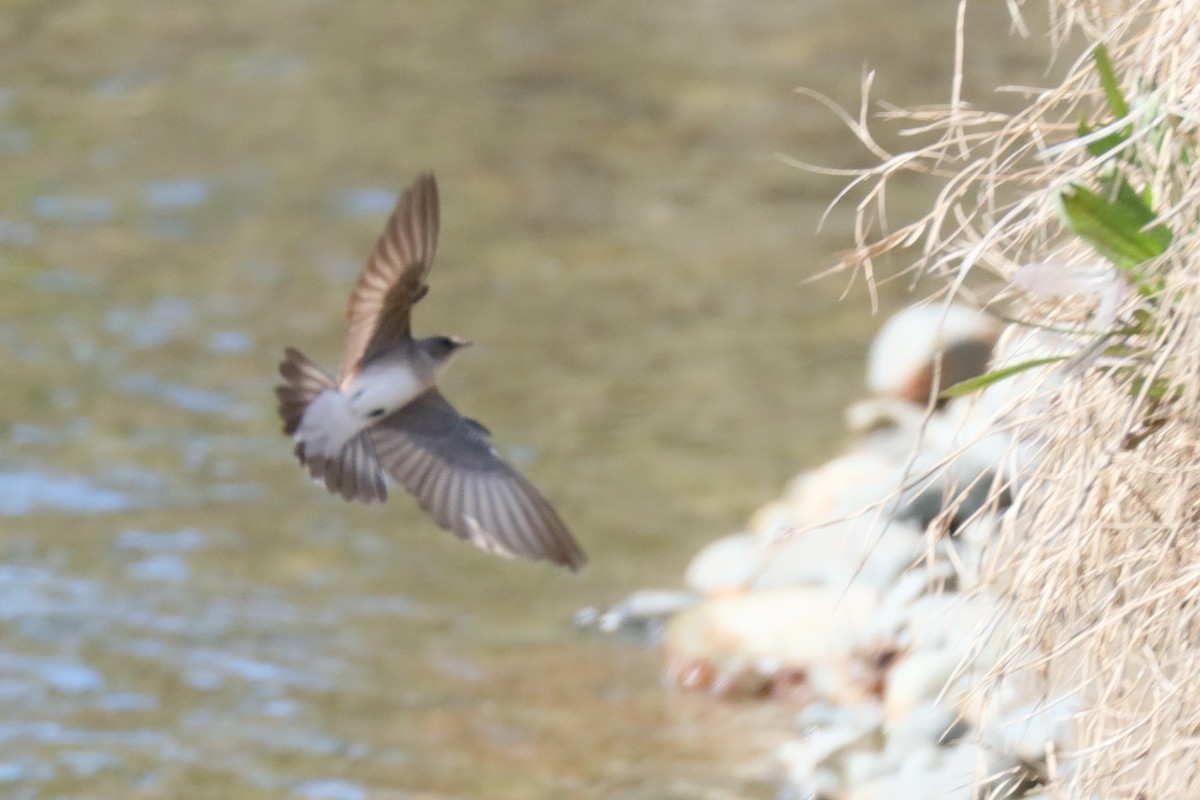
x=1099 y=560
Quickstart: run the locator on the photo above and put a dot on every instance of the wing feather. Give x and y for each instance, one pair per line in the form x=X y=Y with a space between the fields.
x=394 y=277
x=448 y=463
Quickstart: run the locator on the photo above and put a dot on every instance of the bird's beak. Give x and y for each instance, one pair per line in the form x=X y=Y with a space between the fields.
x=460 y=343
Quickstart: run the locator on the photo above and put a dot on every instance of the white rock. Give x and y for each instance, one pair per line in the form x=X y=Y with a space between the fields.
x=803 y=757
x=790 y=627
x=1027 y=730
x=862 y=766
x=644 y=610
x=949 y=621
x=772 y=520
x=876 y=414
x=816 y=765
x=918 y=679
x=900 y=602
x=821 y=714
x=727 y=565
x=901 y=359
x=926 y=723
x=843 y=487
x=935 y=773
x=868 y=551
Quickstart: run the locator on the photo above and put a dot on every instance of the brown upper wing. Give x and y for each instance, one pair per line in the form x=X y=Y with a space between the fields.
x=394 y=278
x=448 y=463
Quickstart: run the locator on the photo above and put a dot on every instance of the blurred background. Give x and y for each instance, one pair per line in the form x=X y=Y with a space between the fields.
x=190 y=186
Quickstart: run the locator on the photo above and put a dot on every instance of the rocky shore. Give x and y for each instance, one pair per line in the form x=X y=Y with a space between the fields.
x=856 y=595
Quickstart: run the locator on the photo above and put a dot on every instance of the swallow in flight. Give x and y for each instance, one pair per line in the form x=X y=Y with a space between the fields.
x=385 y=414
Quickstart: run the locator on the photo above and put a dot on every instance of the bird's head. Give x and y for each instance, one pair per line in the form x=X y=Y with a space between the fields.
x=441 y=349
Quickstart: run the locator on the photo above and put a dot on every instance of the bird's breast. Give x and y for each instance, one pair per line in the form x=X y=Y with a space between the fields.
x=380 y=389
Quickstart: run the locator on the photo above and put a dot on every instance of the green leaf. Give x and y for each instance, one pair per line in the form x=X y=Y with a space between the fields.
x=1108 y=81
x=983 y=381
x=1100 y=147
x=1119 y=227
x=1160 y=389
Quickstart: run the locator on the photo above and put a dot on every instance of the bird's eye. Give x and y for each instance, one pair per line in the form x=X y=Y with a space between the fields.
x=375 y=412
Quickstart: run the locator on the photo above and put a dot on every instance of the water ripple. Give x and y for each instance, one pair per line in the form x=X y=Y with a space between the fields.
x=175 y=195
x=329 y=790
x=26 y=491
x=366 y=202
x=76 y=209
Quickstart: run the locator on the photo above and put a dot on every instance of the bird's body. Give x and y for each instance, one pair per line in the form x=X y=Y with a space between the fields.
x=384 y=413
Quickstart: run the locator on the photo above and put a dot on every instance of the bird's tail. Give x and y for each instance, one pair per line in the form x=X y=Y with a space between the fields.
x=354 y=472
x=304 y=381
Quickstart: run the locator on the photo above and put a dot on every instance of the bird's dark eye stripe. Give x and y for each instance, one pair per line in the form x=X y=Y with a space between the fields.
x=376 y=412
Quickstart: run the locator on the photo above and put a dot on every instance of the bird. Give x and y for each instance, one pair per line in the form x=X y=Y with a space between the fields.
x=384 y=413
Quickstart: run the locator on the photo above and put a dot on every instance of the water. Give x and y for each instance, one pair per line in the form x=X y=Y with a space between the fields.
x=181 y=613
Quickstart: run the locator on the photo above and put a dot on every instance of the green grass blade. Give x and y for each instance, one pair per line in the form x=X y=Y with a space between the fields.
x=983 y=381
x=1108 y=81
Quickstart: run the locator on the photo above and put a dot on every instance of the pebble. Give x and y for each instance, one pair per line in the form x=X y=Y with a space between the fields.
x=918 y=679
x=754 y=634
x=727 y=565
x=867 y=552
x=901 y=361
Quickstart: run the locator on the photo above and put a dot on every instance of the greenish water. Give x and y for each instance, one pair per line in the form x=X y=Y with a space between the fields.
x=191 y=186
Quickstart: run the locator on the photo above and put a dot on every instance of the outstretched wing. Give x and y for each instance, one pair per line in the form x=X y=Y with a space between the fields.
x=447 y=462
x=394 y=278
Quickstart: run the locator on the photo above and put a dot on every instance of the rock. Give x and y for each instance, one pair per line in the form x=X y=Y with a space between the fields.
x=926 y=723
x=808 y=631
x=816 y=764
x=772 y=520
x=845 y=486
x=1027 y=730
x=952 y=493
x=971 y=544
x=869 y=551
x=917 y=680
x=922 y=585
x=877 y=414
x=727 y=565
x=963 y=772
x=641 y=613
x=903 y=358
x=822 y=714
x=949 y=621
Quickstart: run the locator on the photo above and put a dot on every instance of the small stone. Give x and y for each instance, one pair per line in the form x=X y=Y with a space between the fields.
x=868 y=551
x=641 y=613
x=918 y=679
x=963 y=772
x=1027 y=730
x=802 y=758
x=780 y=629
x=845 y=486
x=726 y=565
x=922 y=585
x=927 y=723
x=903 y=358
x=771 y=521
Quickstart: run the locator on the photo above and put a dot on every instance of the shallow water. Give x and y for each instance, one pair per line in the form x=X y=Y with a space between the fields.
x=181 y=613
